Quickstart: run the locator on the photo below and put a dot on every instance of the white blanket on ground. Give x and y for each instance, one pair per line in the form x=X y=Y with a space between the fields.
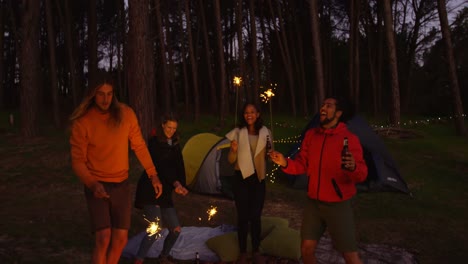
x=191 y=240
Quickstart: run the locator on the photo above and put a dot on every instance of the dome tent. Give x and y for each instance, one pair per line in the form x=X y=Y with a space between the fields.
x=206 y=167
x=383 y=173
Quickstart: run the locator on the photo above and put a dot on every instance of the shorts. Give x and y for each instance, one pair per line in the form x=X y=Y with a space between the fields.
x=337 y=217
x=112 y=212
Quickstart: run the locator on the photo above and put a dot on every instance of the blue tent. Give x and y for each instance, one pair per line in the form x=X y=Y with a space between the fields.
x=383 y=175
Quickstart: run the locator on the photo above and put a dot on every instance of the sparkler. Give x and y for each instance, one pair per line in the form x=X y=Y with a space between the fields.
x=266 y=97
x=153 y=229
x=211 y=212
x=237 y=82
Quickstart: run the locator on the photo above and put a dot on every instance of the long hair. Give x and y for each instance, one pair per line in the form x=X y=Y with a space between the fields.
x=258 y=123
x=88 y=101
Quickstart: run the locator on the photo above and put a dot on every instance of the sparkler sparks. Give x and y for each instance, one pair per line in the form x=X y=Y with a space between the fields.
x=268 y=93
x=211 y=212
x=237 y=82
x=266 y=98
x=154 y=229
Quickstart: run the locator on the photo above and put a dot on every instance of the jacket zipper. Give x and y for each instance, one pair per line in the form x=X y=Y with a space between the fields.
x=320 y=166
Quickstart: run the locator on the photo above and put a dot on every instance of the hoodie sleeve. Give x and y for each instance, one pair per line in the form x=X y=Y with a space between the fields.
x=298 y=165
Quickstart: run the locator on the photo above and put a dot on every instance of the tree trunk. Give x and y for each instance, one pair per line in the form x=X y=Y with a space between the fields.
x=193 y=63
x=285 y=55
x=92 y=42
x=299 y=60
x=221 y=65
x=165 y=93
x=121 y=52
x=140 y=70
x=392 y=59
x=253 y=40
x=455 y=89
x=2 y=59
x=209 y=65
x=65 y=19
x=29 y=67
x=243 y=93
x=170 y=54
x=53 y=64
x=314 y=21
x=354 y=52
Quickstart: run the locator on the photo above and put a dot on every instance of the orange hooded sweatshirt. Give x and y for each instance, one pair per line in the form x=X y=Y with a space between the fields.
x=99 y=151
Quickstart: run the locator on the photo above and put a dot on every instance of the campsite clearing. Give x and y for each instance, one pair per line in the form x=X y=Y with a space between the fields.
x=44 y=217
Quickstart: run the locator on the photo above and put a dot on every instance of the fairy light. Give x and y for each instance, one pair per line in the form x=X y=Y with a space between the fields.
x=271 y=176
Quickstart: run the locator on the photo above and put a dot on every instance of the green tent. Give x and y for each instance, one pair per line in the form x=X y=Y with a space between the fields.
x=206 y=167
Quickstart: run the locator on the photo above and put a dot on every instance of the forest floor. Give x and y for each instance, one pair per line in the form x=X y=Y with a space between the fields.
x=44 y=217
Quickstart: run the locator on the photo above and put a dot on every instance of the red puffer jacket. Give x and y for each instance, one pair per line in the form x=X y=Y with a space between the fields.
x=320 y=158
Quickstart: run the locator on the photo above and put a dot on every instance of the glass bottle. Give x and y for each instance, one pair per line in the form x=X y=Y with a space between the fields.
x=344 y=153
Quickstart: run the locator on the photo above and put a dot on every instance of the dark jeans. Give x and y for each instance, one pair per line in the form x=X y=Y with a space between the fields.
x=249 y=197
x=169 y=220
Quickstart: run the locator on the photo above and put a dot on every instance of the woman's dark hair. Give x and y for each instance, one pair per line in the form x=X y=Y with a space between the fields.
x=242 y=123
x=164 y=119
x=344 y=105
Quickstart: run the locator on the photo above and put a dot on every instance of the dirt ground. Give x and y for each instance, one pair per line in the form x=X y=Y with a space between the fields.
x=44 y=215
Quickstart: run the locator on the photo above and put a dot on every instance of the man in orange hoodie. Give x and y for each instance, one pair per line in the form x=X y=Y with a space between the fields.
x=332 y=174
x=102 y=128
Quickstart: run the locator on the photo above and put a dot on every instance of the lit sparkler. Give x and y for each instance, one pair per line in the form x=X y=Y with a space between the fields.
x=211 y=212
x=266 y=97
x=237 y=82
x=153 y=229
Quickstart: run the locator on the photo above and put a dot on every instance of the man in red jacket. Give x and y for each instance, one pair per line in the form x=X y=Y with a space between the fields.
x=332 y=179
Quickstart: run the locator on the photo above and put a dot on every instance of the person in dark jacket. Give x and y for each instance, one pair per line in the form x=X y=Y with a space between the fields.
x=332 y=178
x=165 y=151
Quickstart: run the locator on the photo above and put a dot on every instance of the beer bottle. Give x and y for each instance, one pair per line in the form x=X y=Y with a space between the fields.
x=344 y=153
x=197 y=258
x=268 y=146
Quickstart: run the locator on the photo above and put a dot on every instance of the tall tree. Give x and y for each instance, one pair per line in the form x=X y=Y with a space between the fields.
x=455 y=89
x=66 y=22
x=318 y=63
x=2 y=59
x=140 y=70
x=207 y=51
x=220 y=49
x=240 y=49
x=354 y=13
x=392 y=58
x=193 y=63
x=52 y=63
x=29 y=67
x=285 y=54
x=254 y=56
x=374 y=46
x=92 y=41
x=166 y=99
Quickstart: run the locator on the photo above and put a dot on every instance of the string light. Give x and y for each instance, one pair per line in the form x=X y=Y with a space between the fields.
x=295 y=139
